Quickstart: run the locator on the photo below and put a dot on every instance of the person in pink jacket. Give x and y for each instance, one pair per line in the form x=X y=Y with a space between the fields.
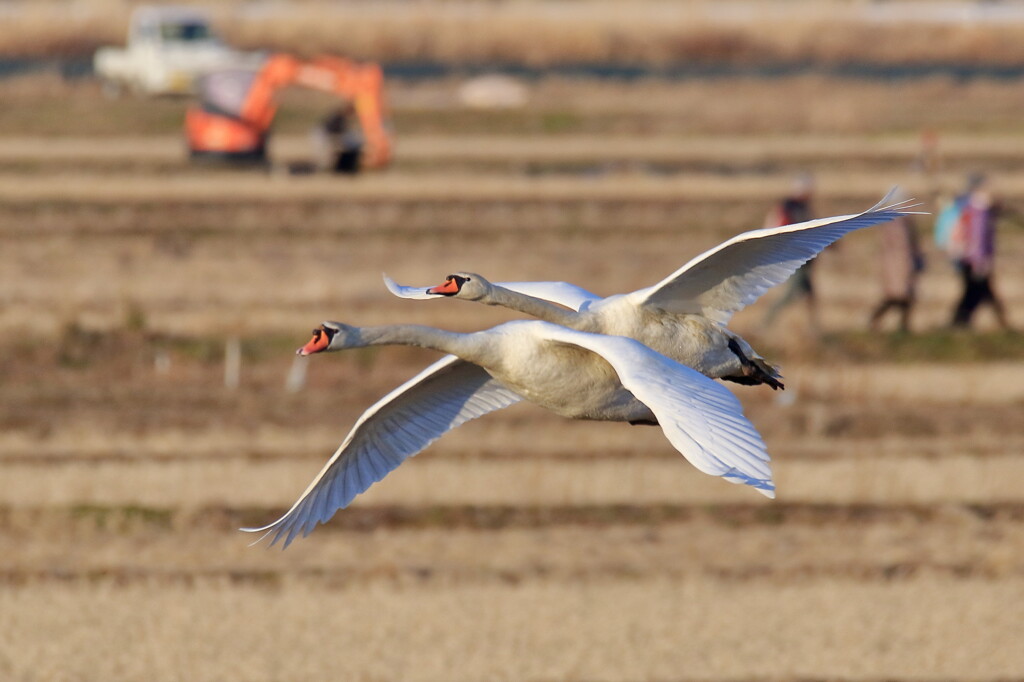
x=902 y=261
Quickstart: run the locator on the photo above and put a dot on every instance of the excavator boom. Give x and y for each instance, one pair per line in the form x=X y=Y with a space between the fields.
x=237 y=109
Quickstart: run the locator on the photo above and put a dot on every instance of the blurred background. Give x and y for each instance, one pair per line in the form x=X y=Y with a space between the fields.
x=186 y=190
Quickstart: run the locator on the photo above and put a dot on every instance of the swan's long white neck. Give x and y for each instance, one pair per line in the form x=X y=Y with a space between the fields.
x=466 y=346
x=530 y=305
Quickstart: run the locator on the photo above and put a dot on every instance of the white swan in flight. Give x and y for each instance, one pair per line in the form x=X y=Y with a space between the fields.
x=574 y=374
x=684 y=315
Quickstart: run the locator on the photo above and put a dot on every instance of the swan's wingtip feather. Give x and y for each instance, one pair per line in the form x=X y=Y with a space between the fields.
x=903 y=206
x=274 y=529
x=261 y=529
x=415 y=293
x=887 y=200
x=391 y=284
x=890 y=203
x=765 y=486
x=268 y=530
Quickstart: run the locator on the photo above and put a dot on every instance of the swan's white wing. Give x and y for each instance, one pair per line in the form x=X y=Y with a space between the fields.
x=444 y=395
x=700 y=417
x=416 y=293
x=736 y=273
x=562 y=293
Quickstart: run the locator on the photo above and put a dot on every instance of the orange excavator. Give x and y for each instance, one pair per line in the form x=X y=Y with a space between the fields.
x=232 y=119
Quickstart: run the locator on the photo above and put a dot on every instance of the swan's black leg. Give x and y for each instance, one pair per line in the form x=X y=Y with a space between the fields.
x=755 y=371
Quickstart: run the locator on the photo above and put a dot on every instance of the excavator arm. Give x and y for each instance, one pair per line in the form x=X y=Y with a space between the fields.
x=246 y=121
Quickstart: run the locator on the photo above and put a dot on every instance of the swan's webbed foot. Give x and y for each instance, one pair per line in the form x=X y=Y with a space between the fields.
x=768 y=374
x=755 y=370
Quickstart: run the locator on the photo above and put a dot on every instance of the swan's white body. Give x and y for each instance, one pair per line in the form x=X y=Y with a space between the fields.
x=684 y=315
x=572 y=373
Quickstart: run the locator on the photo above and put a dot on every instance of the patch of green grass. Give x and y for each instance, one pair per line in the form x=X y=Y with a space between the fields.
x=560 y=122
x=202 y=349
x=940 y=345
x=88 y=113
x=122 y=518
x=503 y=121
x=79 y=346
x=134 y=317
x=933 y=346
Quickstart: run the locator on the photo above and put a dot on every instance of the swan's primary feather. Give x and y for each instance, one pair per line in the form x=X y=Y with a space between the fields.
x=734 y=274
x=399 y=425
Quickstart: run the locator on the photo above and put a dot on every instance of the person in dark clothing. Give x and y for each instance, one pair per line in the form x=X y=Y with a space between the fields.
x=795 y=208
x=340 y=145
x=972 y=243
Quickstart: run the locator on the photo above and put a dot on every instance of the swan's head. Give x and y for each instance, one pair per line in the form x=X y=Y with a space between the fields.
x=466 y=285
x=328 y=336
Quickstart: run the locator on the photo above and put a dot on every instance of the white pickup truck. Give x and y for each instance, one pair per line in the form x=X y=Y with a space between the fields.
x=168 y=49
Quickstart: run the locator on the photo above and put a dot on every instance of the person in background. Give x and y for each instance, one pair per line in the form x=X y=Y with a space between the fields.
x=971 y=244
x=902 y=262
x=950 y=213
x=339 y=145
x=795 y=208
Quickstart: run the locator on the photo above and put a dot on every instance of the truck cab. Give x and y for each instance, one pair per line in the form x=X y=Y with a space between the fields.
x=168 y=49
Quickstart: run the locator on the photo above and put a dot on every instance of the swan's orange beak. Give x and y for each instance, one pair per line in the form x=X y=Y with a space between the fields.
x=449 y=288
x=320 y=341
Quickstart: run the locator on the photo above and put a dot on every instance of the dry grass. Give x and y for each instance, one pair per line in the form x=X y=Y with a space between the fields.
x=120 y=189
x=603 y=630
x=559 y=107
x=818 y=426
x=543 y=33
x=465 y=195
x=783 y=542
x=429 y=482
x=181 y=268
x=897 y=149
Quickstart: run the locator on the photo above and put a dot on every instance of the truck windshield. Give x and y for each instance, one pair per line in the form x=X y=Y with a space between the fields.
x=187 y=32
